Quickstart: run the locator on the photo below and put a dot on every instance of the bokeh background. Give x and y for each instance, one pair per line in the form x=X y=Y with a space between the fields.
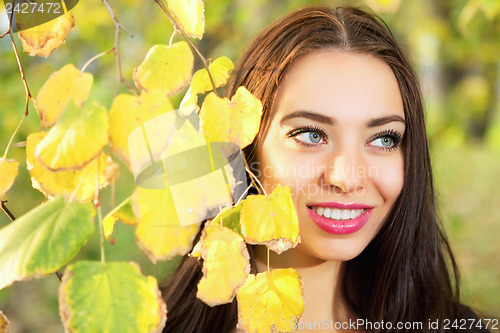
x=454 y=45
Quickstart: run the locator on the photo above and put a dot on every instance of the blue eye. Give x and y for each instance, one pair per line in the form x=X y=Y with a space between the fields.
x=387 y=140
x=308 y=136
x=383 y=142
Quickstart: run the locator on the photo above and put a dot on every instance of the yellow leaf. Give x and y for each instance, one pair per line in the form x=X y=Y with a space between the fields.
x=270 y=220
x=127 y=112
x=62 y=85
x=8 y=173
x=4 y=323
x=189 y=15
x=167 y=69
x=270 y=301
x=220 y=69
x=122 y=212
x=159 y=233
x=42 y=39
x=81 y=184
x=225 y=267
x=236 y=120
x=76 y=139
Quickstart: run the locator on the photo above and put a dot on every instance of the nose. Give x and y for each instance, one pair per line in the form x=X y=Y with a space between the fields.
x=346 y=172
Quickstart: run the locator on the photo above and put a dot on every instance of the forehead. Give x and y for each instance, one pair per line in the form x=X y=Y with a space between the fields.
x=340 y=82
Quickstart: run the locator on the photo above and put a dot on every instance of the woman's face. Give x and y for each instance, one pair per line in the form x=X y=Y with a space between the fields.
x=335 y=140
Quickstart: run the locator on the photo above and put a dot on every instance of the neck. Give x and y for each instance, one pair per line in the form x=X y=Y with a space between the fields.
x=322 y=280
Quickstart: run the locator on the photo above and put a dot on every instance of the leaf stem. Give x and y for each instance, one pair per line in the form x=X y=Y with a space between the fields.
x=116 y=49
x=179 y=29
x=94 y=58
x=13 y=136
x=21 y=69
x=101 y=233
x=247 y=168
x=268 y=255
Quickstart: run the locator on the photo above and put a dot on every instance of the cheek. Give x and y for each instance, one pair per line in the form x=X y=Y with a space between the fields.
x=389 y=178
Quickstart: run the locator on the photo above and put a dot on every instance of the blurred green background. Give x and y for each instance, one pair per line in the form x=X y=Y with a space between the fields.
x=454 y=45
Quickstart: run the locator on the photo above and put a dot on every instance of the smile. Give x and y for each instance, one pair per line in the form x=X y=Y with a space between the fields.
x=340 y=219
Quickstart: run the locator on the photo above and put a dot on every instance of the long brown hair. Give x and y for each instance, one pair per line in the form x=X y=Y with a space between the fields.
x=402 y=275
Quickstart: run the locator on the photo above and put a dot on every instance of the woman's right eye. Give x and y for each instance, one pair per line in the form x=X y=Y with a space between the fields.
x=308 y=136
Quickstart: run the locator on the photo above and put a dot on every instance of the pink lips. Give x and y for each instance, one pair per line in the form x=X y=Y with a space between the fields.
x=340 y=227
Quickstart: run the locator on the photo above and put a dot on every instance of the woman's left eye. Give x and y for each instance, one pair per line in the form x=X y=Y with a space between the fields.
x=387 y=140
x=308 y=136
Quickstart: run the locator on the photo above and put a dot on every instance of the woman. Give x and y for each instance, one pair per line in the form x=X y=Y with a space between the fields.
x=343 y=126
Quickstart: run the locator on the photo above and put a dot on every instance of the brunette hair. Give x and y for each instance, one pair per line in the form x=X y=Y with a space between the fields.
x=402 y=275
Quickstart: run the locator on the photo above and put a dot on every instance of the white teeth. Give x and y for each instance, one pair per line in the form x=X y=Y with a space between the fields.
x=320 y=210
x=338 y=214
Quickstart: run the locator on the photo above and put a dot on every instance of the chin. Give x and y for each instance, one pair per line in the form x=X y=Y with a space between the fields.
x=332 y=249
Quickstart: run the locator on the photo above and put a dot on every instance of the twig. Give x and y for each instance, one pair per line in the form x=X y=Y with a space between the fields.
x=7 y=211
x=21 y=69
x=13 y=218
x=179 y=29
x=116 y=48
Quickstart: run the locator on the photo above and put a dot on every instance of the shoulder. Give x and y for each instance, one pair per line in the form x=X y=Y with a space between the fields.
x=473 y=323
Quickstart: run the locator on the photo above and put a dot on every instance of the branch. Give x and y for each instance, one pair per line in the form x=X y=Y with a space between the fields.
x=178 y=28
x=7 y=211
x=116 y=48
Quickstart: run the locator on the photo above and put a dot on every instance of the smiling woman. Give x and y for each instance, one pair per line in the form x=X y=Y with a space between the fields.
x=343 y=127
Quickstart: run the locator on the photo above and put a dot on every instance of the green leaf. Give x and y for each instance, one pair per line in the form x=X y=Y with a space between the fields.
x=76 y=139
x=44 y=239
x=220 y=69
x=189 y=15
x=122 y=212
x=166 y=68
x=231 y=218
x=110 y=297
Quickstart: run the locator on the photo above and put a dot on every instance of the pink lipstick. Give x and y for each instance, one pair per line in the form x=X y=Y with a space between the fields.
x=340 y=218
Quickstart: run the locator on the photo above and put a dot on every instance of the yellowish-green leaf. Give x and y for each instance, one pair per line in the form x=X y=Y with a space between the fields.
x=236 y=120
x=385 y=6
x=167 y=69
x=220 y=69
x=225 y=267
x=270 y=220
x=44 y=239
x=79 y=185
x=4 y=323
x=110 y=297
x=270 y=301
x=127 y=112
x=189 y=15
x=42 y=39
x=8 y=173
x=159 y=233
x=77 y=138
x=231 y=217
x=122 y=212
x=61 y=86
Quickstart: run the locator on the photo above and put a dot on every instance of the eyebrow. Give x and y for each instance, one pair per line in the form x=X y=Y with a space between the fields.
x=309 y=115
x=330 y=121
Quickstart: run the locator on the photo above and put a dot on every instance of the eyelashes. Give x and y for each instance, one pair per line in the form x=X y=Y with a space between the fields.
x=388 y=140
x=312 y=136
x=315 y=133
